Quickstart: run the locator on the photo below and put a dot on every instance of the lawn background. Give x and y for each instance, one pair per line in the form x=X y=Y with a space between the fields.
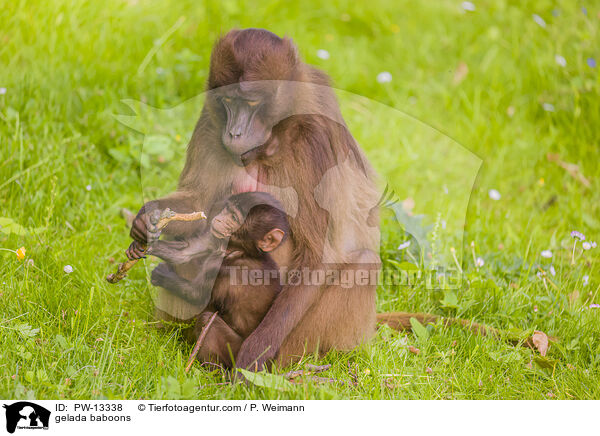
x=67 y=166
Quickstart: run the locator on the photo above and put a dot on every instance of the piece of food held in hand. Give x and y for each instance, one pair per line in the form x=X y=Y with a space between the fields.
x=159 y=219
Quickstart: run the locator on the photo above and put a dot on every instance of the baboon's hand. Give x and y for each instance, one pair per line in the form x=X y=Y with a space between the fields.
x=143 y=228
x=135 y=251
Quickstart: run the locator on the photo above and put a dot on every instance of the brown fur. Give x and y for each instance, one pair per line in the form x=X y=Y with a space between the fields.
x=313 y=154
x=241 y=309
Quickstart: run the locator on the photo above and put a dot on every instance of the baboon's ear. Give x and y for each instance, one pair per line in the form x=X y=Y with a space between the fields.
x=271 y=240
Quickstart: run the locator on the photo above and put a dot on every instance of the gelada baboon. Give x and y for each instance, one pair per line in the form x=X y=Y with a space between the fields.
x=271 y=123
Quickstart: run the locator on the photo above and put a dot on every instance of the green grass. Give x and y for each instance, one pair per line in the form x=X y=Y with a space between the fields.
x=67 y=68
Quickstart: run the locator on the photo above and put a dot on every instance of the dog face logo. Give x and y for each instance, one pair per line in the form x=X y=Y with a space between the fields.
x=26 y=415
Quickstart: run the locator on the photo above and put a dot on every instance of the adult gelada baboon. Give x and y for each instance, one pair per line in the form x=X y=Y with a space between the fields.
x=271 y=123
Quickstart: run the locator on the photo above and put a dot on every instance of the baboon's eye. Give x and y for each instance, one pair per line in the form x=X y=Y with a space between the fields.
x=227 y=99
x=253 y=102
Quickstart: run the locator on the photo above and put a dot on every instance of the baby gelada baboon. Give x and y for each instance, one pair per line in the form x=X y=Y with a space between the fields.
x=242 y=237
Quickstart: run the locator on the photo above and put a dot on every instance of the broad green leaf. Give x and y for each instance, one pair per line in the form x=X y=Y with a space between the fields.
x=545 y=362
x=516 y=334
x=119 y=154
x=188 y=388
x=419 y=330
x=41 y=375
x=267 y=380
x=61 y=341
x=8 y=226
x=157 y=144
x=26 y=330
x=450 y=300
x=29 y=376
x=70 y=371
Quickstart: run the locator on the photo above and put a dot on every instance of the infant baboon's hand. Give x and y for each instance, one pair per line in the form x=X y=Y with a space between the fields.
x=135 y=251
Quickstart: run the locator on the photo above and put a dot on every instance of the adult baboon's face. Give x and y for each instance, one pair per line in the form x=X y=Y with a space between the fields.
x=246 y=125
x=247 y=68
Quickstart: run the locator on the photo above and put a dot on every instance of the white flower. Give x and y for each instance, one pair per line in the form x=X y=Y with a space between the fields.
x=560 y=60
x=539 y=275
x=552 y=270
x=68 y=269
x=548 y=107
x=404 y=245
x=539 y=20
x=384 y=77
x=88 y=188
x=494 y=194
x=468 y=6
x=322 y=54
x=546 y=253
x=586 y=245
x=585 y=280
x=2 y=91
x=479 y=262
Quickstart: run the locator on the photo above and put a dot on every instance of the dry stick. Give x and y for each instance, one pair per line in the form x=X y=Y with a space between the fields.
x=128 y=215
x=310 y=369
x=318 y=368
x=199 y=342
x=166 y=216
x=307 y=375
x=571 y=168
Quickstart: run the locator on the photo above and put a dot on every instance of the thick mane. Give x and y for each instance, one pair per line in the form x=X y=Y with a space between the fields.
x=250 y=55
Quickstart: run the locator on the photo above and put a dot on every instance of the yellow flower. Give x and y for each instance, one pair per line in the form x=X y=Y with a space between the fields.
x=541 y=181
x=178 y=137
x=21 y=253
